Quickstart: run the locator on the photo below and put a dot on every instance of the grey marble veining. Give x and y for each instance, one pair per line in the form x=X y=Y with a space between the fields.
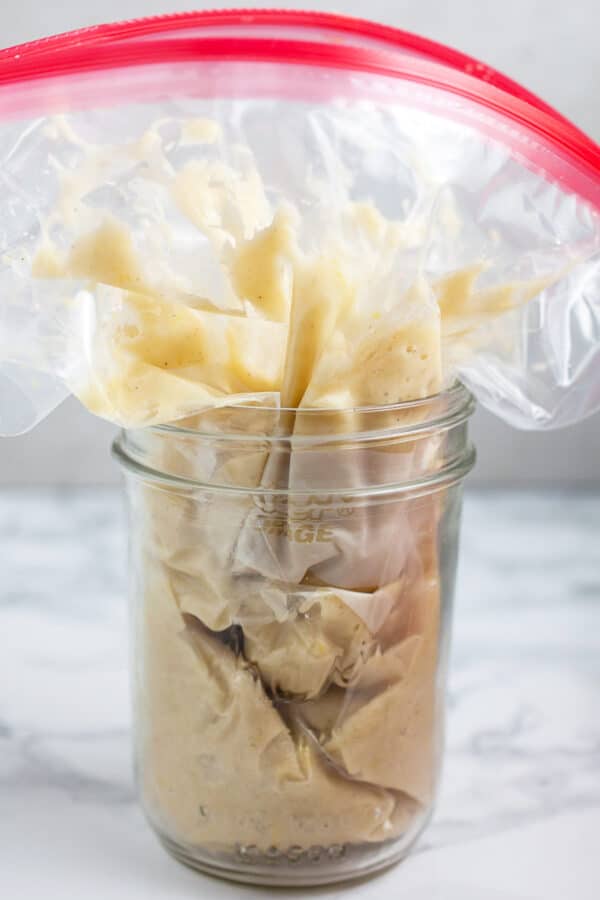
x=519 y=810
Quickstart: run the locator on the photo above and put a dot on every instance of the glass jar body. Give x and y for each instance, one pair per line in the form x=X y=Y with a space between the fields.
x=290 y=646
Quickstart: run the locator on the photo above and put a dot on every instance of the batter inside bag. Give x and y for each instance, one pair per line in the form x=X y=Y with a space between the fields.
x=293 y=724
x=287 y=686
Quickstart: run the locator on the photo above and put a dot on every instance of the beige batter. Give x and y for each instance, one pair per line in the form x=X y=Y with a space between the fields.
x=286 y=677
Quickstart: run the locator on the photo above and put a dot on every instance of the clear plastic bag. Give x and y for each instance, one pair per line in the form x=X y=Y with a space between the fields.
x=161 y=159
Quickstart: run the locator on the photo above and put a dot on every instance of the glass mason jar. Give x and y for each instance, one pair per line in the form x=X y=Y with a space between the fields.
x=292 y=581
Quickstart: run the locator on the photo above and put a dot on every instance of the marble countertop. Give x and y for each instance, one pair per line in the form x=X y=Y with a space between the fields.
x=519 y=813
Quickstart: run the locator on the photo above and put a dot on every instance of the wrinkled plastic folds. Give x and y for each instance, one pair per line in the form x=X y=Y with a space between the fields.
x=415 y=211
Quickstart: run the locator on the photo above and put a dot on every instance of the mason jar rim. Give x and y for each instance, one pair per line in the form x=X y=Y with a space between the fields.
x=457 y=404
x=451 y=406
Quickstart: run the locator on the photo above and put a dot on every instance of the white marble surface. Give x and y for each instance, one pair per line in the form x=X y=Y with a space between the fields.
x=519 y=815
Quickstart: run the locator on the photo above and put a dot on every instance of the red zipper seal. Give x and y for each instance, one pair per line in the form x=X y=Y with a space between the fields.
x=307 y=19
x=126 y=44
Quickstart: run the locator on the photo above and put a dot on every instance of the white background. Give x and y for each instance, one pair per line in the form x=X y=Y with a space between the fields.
x=552 y=46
